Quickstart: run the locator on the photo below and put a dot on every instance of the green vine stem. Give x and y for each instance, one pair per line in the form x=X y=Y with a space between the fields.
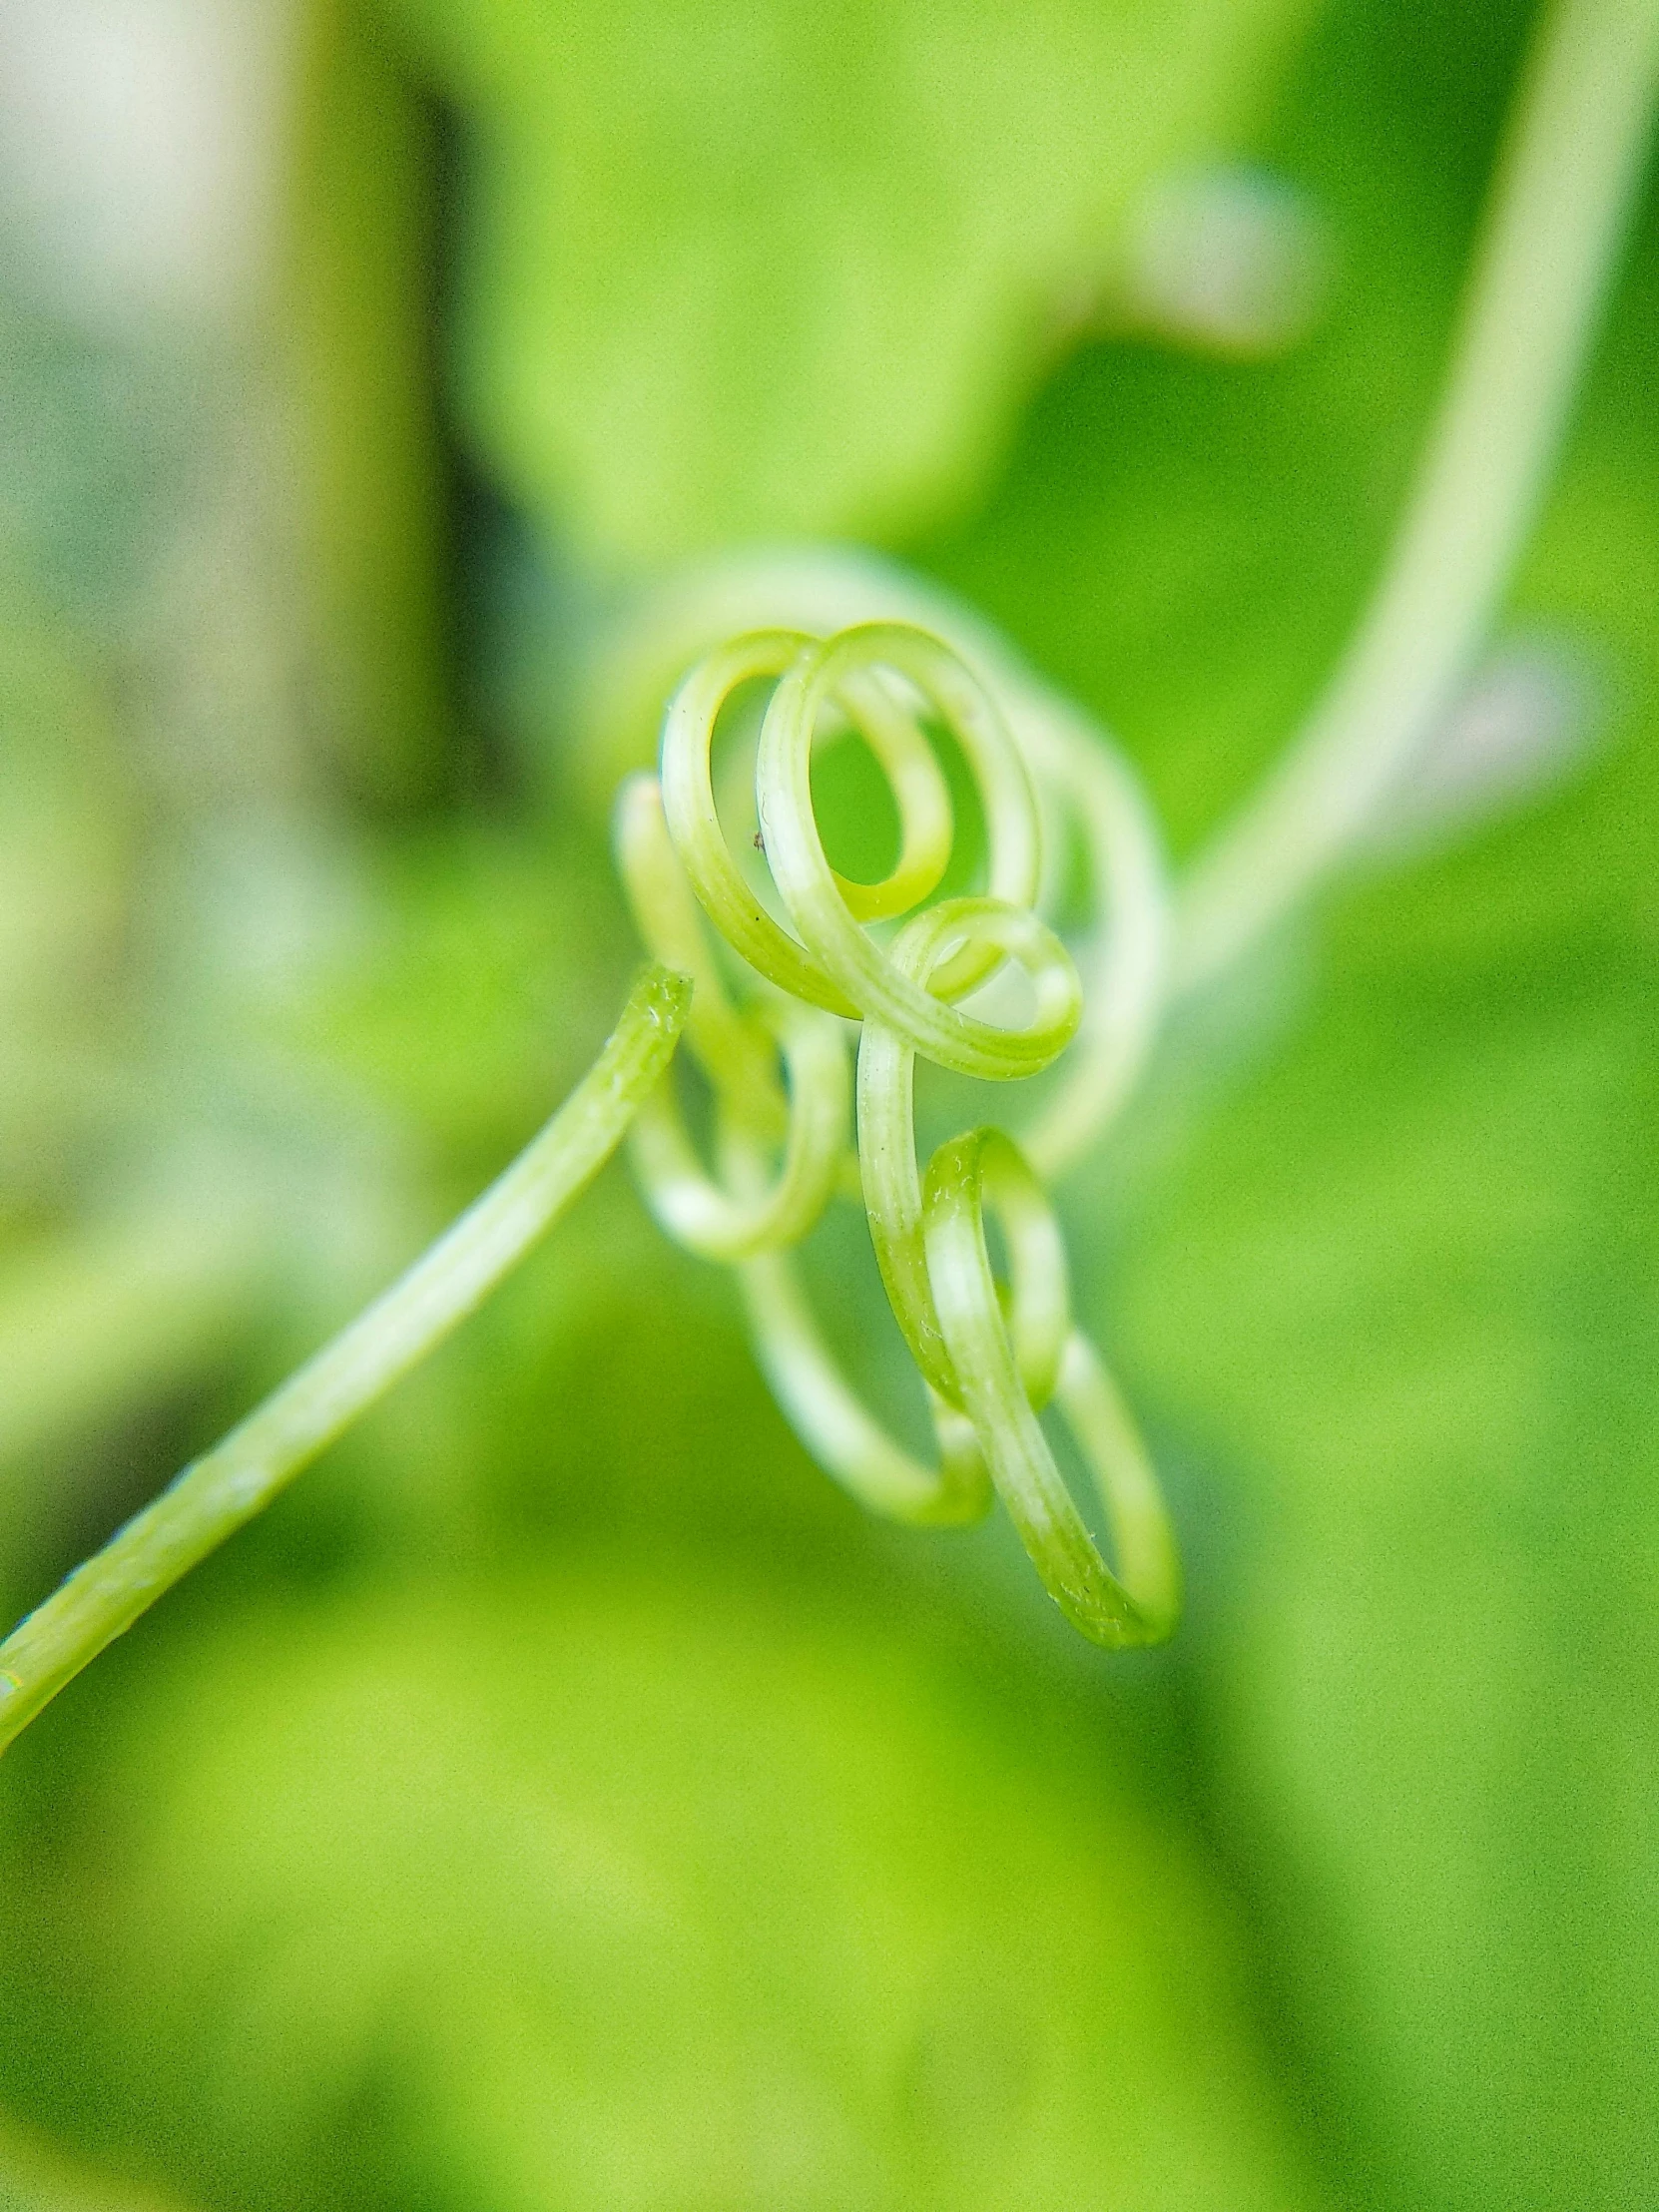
x=991 y=1359
x=216 y=1493
x=1567 y=175
x=813 y=951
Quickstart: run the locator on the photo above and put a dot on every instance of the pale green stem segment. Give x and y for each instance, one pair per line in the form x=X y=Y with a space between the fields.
x=887 y=1133
x=1088 y=787
x=220 y=1491
x=835 y=1425
x=841 y=947
x=694 y=821
x=737 y=1052
x=712 y=1219
x=1568 y=174
x=1142 y=1601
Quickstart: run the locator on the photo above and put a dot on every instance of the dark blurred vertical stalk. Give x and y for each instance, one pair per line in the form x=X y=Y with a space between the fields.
x=359 y=313
x=281 y=666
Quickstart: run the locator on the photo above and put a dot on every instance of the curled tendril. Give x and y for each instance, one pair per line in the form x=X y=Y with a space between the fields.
x=993 y=1358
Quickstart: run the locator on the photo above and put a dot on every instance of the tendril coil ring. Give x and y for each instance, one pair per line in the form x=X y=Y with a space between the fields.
x=992 y=1356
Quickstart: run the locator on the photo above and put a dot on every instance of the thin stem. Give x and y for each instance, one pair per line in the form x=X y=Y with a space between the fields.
x=1568 y=174
x=216 y=1493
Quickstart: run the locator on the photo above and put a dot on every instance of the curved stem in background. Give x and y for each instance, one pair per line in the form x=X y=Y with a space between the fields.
x=216 y=1493
x=1140 y=1602
x=1567 y=176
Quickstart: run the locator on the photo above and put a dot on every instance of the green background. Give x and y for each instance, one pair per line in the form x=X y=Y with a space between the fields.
x=565 y=1798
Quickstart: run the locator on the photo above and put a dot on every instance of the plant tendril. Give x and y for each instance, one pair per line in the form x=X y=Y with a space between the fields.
x=991 y=1358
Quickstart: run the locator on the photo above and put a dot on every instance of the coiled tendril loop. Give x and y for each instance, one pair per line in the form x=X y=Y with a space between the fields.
x=991 y=1357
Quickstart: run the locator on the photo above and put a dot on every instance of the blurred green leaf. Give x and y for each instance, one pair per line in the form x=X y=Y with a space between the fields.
x=1393 y=1299
x=603 y=1891
x=1407 y=1297
x=65 y=857
x=1408 y=1292
x=1391 y=1274
x=34 y=2177
x=767 y=269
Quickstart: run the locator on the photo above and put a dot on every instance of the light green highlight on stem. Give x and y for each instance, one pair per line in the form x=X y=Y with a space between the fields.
x=886 y=1138
x=835 y=1425
x=1086 y=786
x=839 y=945
x=1569 y=170
x=1141 y=1602
x=1002 y=1356
x=220 y=1491
x=708 y=1217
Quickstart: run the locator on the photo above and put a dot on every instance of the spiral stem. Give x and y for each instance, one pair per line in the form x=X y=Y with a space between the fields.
x=990 y=1359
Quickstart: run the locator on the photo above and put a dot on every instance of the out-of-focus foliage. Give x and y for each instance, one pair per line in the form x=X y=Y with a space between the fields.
x=565 y=1745
x=1449 y=1230
x=761 y=267
x=679 y=1893
x=1402 y=1293
x=62 y=864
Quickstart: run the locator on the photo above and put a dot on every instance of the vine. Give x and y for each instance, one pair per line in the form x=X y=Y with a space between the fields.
x=774 y=1050
x=991 y=1360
